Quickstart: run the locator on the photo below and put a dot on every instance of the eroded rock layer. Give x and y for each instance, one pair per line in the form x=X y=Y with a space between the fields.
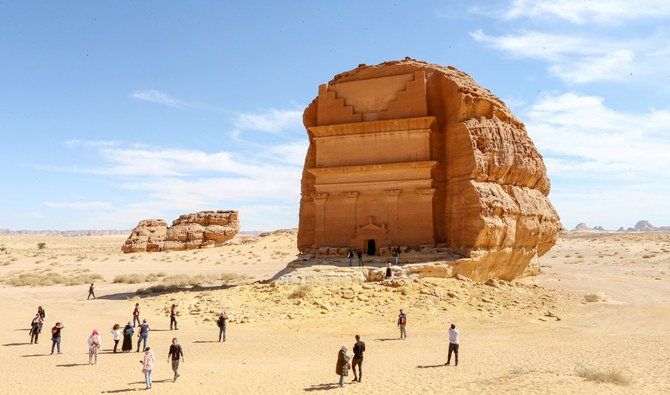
x=407 y=153
x=189 y=231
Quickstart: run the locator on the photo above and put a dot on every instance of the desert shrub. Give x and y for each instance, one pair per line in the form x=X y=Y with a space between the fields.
x=301 y=292
x=181 y=281
x=591 y=298
x=50 y=278
x=41 y=246
x=603 y=376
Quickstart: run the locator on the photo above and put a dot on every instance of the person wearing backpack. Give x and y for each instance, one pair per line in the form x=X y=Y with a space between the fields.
x=402 y=323
x=221 y=323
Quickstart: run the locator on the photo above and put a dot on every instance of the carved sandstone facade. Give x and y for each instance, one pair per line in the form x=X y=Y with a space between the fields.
x=407 y=153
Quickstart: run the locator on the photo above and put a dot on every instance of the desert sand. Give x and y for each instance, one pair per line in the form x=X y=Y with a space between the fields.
x=609 y=291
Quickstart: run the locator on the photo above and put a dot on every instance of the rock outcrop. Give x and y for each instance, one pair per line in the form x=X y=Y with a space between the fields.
x=189 y=231
x=407 y=153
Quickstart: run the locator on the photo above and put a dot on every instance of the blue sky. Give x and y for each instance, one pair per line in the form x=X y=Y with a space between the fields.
x=111 y=112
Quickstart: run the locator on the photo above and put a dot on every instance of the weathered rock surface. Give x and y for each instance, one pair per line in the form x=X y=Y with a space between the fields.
x=431 y=158
x=189 y=231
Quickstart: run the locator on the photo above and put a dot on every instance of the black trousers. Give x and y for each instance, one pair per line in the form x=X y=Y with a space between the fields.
x=357 y=362
x=173 y=321
x=453 y=348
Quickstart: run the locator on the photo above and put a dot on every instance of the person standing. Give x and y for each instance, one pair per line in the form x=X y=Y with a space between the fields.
x=143 y=335
x=350 y=255
x=402 y=323
x=454 y=342
x=395 y=256
x=173 y=317
x=136 y=314
x=342 y=367
x=94 y=342
x=389 y=274
x=147 y=365
x=91 y=291
x=359 y=349
x=116 y=335
x=221 y=322
x=174 y=356
x=55 y=337
x=42 y=313
x=35 y=328
x=359 y=255
x=128 y=332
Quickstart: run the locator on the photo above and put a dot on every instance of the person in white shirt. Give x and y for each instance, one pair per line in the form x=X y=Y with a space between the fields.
x=453 y=343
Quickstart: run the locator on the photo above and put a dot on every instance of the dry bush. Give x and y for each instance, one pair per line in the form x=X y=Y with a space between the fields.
x=301 y=292
x=136 y=278
x=181 y=281
x=591 y=298
x=50 y=278
x=603 y=376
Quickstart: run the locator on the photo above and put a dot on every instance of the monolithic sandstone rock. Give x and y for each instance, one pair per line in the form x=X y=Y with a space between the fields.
x=189 y=231
x=408 y=153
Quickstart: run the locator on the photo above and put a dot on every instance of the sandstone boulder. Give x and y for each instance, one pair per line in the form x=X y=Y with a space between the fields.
x=432 y=158
x=189 y=231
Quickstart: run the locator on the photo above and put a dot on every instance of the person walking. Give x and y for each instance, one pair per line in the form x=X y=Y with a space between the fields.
x=136 y=314
x=128 y=332
x=454 y=342
x=402 y=324
x=173 y=317
x=116 y=335
x=221 y=323
x=350 y=255
x=94 y=342
x=147 y=365
x=91 y=291
x=359 y=255
x=35 y=328
x=55 y=336
x=174 y=356
x=342 y=367
x=359 y=349
x=143 y=335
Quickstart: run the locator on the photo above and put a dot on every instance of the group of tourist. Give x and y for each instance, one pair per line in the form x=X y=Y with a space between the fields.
x=343 y=365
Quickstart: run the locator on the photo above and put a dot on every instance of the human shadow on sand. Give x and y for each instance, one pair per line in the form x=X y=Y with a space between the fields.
x=72 y=365
x=34 y=355
x=387 y=339
x=430 y=366
x=153 y=381
x=206 y=341
x=321 y=387
x=14 y=344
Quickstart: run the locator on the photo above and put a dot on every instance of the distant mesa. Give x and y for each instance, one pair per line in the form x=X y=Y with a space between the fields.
x=190 y=231
x=640 y=226
x=64 y=233
x=407 y=154
x=582 y=226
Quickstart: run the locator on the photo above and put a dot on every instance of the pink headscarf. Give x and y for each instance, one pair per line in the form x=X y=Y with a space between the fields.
x=95 y=332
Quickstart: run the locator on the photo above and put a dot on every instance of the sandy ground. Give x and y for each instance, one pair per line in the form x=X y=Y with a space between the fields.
x=511 y=341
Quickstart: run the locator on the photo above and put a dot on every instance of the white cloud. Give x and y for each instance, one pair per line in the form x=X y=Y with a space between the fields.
x=158 y=97
x=272 y=121
x=79 y=205
x=582 y=12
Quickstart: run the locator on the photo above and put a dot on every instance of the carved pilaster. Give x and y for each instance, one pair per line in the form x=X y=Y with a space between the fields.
x=350 y=199
x=391 y=196
x=319 y=218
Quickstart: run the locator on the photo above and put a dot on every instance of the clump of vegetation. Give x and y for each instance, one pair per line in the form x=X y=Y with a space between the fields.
x=50 y=278
x=181 y=281
x=592 y=298
x=136 y=278
x=41 y=245
x=301 y=292
x=603 y=376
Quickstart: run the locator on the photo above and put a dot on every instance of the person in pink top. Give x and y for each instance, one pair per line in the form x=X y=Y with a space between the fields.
x=148 y=365
x=93 y=347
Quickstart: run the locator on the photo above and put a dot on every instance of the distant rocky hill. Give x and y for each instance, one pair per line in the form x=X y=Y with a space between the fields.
x=66 y=233
x=640 y=226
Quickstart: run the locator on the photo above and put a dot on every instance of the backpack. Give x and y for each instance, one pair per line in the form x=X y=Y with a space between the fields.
x=402 y=320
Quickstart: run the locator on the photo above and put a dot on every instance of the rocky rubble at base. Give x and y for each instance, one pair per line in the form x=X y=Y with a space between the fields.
x=189 y=231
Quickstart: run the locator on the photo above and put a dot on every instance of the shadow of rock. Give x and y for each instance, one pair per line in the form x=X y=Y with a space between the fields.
x=321 y=387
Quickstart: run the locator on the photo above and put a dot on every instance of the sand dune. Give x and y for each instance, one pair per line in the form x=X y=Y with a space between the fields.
x=511 y=339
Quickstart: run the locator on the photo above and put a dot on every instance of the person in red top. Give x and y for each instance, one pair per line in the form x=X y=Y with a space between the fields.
x=136 y=314
x=55 y=336
x=402 y=323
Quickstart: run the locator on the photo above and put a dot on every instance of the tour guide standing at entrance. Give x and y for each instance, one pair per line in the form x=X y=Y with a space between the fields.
x=402 y=322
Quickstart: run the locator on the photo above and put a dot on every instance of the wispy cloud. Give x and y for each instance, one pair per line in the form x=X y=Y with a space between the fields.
x=158 y=97
x=582 y=12
x=271 y=121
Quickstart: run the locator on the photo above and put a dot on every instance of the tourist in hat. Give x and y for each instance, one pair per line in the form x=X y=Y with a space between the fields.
x=94 y=342
x=147 y=365
x=342 y=367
